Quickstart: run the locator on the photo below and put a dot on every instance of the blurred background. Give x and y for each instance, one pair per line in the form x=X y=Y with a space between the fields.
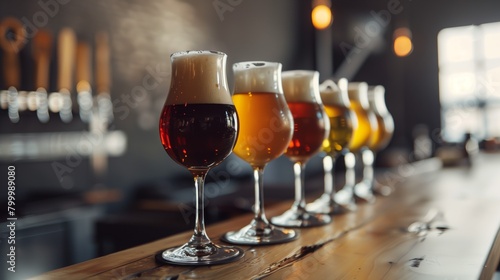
x=89 y=187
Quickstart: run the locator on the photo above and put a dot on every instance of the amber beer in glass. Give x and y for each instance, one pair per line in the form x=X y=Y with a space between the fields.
x=342 y=122
x=259 y=144
x=198 y=129
x=265 y=131
x=311 y=127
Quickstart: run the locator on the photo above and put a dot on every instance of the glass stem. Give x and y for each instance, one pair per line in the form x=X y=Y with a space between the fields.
x=328 y=169
x=350 y=174
x=368 y=159
x=260 y=217
x=199 y=236
x=300 y=200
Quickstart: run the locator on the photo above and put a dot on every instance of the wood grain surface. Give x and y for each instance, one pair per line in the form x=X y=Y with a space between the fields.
x=442 y=224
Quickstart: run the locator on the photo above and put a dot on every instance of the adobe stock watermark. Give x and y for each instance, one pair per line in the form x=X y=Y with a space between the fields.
x=221 y=179
x=364 y=38
x=261 y=140
x=407 y=167
x=223 y=6
x=150 y=82
x=75 y=155
x=48 y=10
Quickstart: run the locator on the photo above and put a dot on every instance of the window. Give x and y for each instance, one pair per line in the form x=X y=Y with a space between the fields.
x=469 y=81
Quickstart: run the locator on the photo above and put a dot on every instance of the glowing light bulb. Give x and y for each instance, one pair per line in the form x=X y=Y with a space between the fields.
x=403 y=45
x=321 y=16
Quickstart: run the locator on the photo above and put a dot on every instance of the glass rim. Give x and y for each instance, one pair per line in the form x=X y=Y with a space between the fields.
x=357 y=86
x=197 y=52
x=376 y=88
x=329 y=86
x=300 y=73
x=256 y=64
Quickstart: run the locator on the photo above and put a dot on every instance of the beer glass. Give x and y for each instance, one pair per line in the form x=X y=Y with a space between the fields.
x=380 y=139
x=342 y=121
x=363 y=134
x=198 y=129
x=265 y=131
x=311 y=126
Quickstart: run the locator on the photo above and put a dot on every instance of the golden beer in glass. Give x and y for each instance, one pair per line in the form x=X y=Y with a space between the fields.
x=363 y=135
x=265 y=130
x=342 y=123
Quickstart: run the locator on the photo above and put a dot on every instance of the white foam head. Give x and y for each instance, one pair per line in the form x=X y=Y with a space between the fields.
x=334 y=94
x=358 y=91
x=257 y=76
x=376 y=98
x=301 y=86
x=373 y=91
x=199 y=77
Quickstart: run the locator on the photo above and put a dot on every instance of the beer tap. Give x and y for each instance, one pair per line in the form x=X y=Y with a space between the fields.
x=42 y=44
x=4 y=99
x=12 y=40
x=103 y=79
x=103 y=114
x=83 y=76
x=66 y=59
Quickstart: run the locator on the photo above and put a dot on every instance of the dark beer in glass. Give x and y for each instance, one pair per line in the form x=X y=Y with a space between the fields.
x=198 y=129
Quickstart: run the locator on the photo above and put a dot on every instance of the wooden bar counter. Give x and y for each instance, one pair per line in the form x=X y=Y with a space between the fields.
x=441 y=224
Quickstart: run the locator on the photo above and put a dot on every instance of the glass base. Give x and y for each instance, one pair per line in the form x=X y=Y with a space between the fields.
x=382 y=190
x=300 y=218
x=251 y=235
x=325 y=204
x=345 y=197
x=208 y=254
x=363 y=191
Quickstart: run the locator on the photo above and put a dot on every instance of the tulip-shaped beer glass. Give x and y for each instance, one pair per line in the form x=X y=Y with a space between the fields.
x=311 y=127
x=363 y=134
x=380 y=140
x=265 y=130
x=198 y=129
x=342 y=121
